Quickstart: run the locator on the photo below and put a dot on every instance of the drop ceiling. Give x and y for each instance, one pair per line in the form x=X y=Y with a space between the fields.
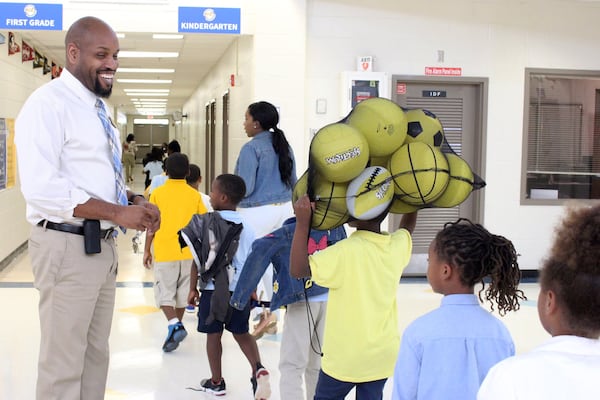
x=198 y=53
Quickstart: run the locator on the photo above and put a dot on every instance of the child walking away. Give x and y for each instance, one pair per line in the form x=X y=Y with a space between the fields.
x=177 y=202
x=220 y=243
x=362 y=273
x=568 y=365
x=446 y=353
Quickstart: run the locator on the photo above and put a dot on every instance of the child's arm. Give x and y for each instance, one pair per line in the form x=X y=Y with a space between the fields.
x=299 y=266
x=193 y=296
x=147 y=253
x=408 y=221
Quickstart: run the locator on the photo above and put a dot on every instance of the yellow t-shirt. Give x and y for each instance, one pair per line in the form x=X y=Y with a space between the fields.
x=177 y=202
x=362 y=272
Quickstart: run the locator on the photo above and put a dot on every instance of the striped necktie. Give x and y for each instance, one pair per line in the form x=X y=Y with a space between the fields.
x=116 y=156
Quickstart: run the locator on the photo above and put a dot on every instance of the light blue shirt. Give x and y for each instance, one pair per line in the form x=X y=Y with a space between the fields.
x=244 y=247
x=258 y=165
x=447 y=353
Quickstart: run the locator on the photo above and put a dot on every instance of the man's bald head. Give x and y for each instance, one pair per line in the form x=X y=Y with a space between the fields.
x=92 y=51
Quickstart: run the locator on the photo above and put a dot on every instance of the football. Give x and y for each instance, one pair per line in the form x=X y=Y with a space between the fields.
x=370 y=193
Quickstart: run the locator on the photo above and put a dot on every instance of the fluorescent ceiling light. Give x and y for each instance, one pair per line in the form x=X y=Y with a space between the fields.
x=145 y=81
x=121 y=35
x=147 y=90
x=147 y=94
x=148 y=121
x=166 y=36
x=148 y=54
x=148 y=70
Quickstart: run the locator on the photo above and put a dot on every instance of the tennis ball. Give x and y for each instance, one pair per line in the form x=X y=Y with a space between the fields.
x=339 y=152
x=370 y=193
x=424 y=126
x=382 y=122
x=330 y=201
x=460 y=184
x=420 y=173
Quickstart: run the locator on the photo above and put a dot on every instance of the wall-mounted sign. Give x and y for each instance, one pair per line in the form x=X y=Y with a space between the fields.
x=31 y=16
x=364 y=64
x=433 y=93
x=209 y=20
x=445 y=71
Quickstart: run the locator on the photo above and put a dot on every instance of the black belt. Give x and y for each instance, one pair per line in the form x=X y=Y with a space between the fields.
x=77 y=230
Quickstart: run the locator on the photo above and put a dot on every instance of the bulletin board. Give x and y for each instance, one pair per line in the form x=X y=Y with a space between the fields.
x=8 y=160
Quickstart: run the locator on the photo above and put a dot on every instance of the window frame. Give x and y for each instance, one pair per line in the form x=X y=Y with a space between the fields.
x=559 y=73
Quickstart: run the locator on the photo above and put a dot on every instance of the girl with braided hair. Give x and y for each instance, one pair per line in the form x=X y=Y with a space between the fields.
x=446 y=353
x=567 y=366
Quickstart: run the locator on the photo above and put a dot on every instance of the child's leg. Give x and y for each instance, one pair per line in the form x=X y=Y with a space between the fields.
x=248 y=346
x=294 y=352
x=329 y=388
x=370 y=390
x=238 y=326
x=214 y=351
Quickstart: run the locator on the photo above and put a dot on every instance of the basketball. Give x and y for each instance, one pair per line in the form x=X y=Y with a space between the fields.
x=330 y=201
x=382 y=122
x=339 y=152
x=400 y=207
x=370 y=193
x=420 y=173
x=424 y=126
x=460 y=184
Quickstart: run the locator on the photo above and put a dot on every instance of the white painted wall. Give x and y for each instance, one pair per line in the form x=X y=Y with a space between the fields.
x=291 y=52
x=493 y=39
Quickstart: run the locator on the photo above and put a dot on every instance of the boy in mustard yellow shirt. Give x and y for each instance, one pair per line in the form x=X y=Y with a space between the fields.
x=177 y=202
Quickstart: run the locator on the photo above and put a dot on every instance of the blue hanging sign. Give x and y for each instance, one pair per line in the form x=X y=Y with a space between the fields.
x=31 y=16
x=209 y=20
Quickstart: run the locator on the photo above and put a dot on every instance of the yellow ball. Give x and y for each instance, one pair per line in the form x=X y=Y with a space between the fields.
x=400 y=207
x=330 y=203
x=420 y=173
x=382 y=122
x=424 y=126
x=379 y=162
x=339 y=152
x=460 y=184
x=370 y=193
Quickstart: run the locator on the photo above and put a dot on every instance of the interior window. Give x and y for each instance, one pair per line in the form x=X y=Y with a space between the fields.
x=561 y=151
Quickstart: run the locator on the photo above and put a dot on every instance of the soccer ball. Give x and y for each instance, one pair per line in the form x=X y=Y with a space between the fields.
x=424 y=126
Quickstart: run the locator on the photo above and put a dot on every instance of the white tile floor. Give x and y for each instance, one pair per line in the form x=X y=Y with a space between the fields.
x=139 y=370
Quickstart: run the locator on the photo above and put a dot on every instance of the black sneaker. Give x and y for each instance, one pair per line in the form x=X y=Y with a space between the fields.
x=176 y=334
x=207 y=385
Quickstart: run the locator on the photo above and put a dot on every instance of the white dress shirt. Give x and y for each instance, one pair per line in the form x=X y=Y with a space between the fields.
x=63 y=153
x=565 y=367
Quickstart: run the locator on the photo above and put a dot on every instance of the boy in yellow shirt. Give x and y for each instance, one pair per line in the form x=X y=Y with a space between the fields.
x=177 y=202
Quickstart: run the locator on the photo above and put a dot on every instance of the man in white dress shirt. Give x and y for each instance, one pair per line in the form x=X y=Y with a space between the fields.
x=67 y=176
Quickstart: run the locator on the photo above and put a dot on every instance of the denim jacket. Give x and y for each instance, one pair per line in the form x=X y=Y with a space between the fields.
x=258 y=165
x=275 y=248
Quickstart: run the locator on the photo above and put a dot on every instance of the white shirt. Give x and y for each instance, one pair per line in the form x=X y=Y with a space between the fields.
x=565 y=367
x=63 y=153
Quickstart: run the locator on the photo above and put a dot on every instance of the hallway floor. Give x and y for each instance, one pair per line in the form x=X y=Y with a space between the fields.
x=139 y=369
